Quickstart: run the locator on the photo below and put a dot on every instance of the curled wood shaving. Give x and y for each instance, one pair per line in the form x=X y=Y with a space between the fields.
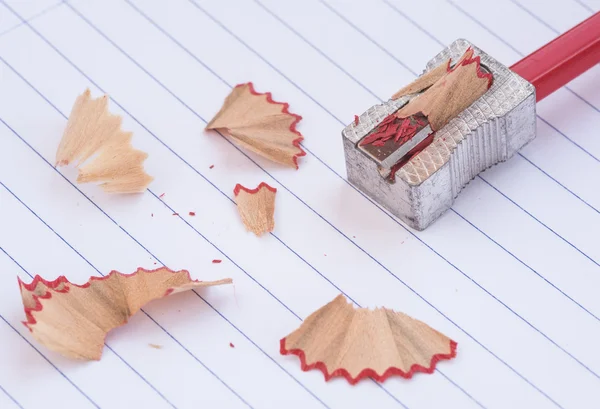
x=94 y=134
x=354 y=343
x=256 y=207
x=74 y=319
x=424 y=81
x=458 y=88
x=261 y=125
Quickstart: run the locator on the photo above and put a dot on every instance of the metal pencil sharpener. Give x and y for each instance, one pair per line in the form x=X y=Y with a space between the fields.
x=490 y=130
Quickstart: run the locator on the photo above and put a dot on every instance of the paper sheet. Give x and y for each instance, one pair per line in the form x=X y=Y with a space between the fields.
x=511 y=272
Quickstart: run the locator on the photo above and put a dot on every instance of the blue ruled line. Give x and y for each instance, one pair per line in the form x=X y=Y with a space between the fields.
x=518 y=53
x=10 y=397
x=38 y=351
x=48 y=360
x=506 y=43
x=585 y=6
x=100 y=273
x=200 y=174
x=108 y=346
x=40 y=14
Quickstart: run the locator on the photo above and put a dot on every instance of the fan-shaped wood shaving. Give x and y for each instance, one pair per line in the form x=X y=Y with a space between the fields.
x=424 y=81
x=261 y=125
x=95 y=134
x=74 y=319
x=256 y=207
x=354 y=343
x=458 y=88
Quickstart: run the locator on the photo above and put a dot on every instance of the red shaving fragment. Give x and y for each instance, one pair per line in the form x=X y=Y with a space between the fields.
x=192 y=213
x=216 y=261
x=231 y=345
x=175 y=214
x=162 y=195
x=355 y=119
x=401 y=129
x=211 y=166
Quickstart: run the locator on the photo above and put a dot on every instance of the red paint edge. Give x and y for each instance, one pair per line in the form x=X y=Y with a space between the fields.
x=63 y=280
x=477 y=61
x=367 y=372
x=239 y=187
x=285 y=110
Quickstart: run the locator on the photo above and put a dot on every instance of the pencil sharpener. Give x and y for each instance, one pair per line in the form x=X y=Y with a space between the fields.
x=491 y=130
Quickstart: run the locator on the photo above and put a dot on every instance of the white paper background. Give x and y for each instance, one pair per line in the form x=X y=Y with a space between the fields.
x=510 y=272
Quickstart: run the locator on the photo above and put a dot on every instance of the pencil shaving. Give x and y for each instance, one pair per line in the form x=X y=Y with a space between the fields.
x=74 y=319
x=424 y=81
x=456 y=90
x=256 y=207
x=261 y=125
x=354 y=343
x=94 y=142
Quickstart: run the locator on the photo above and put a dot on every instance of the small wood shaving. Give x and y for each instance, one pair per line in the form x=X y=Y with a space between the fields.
x=94 y=134
x=74 y=319
x=424 y=81
x=231 y=345
x=451 y=94
x=192 y=213
x=216 y=261
x=155 y=346
x=256 y=207
x=358 y=343
x=261 y=125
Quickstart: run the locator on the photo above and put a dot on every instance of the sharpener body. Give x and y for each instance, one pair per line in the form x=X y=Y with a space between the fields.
x=489 y=131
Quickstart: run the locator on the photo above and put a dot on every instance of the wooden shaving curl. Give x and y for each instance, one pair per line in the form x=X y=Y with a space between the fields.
x=261 y=125
x=94 y=134
x=256 y=207
x=340 y=340
x=74 y=319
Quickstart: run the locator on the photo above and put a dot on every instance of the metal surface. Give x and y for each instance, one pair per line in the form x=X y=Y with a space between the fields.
x=489 y=131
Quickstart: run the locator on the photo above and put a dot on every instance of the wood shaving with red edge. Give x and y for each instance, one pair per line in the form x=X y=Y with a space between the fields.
x=102 y=152
x=231 y=345
x=192 y=213
x=356 y=119
x=261 y=125
x=217 y=261
x=73 y=320
x=456 y=90
x=341 y=340
x=256 y=207
x=424 y=81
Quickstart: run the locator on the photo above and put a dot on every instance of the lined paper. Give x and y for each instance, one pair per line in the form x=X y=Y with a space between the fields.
x=510 y=272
